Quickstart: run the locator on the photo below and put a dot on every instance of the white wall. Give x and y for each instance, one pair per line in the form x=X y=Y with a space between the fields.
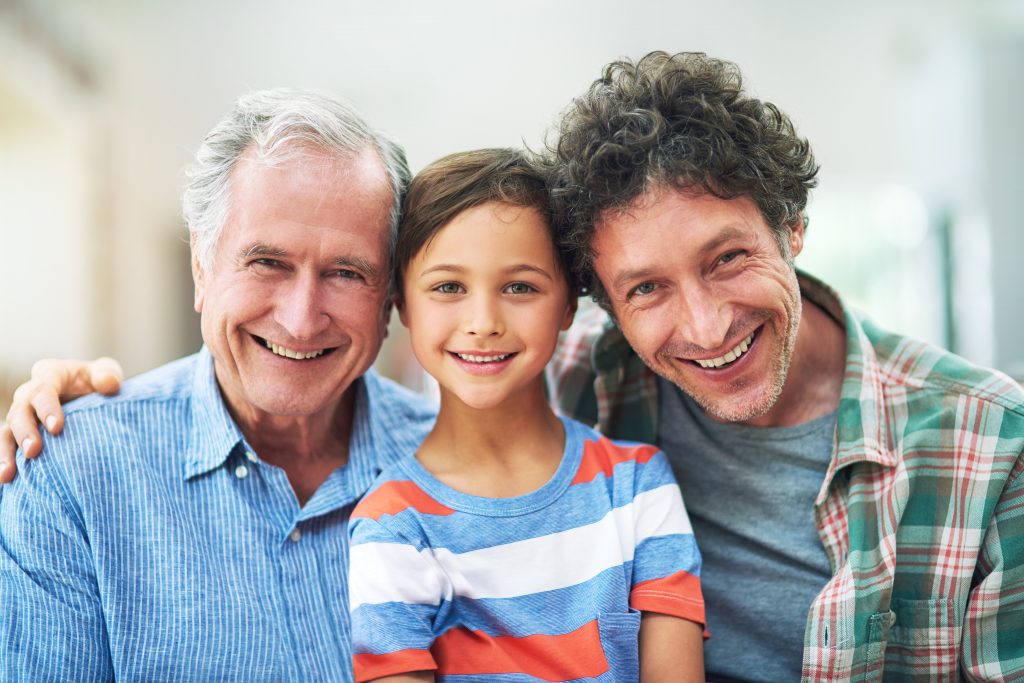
x=890 y=94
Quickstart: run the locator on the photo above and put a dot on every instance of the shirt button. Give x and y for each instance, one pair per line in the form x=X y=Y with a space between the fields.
x=295 y=535
x=241 y=471
x=250 y=456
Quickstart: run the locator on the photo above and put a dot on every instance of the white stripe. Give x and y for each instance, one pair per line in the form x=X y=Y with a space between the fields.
x=558 y=560
x=394 y=572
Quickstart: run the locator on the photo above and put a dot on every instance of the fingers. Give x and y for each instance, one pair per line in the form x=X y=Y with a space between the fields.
x=31 y=399
x=8 y=446
x=38 y=400
x=105 y=374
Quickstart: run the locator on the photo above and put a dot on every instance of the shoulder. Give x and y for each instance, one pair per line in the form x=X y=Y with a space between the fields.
x=170 y=382
x=394 y=495
x=389 y=397
x=99 y=431
x=575 y=345
x=912 y=366
x=609 y=457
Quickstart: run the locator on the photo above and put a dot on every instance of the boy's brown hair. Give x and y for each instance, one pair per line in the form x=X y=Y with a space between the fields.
x=460 y=181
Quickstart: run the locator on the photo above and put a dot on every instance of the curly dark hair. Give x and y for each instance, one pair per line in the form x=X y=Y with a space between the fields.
x=681 y=120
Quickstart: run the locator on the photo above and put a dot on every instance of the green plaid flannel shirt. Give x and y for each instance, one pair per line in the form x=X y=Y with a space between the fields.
x=921 y=512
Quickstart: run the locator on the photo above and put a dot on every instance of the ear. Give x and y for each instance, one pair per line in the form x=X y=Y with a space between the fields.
x=796 y=237
x=400 y=306
x=198 y=278
x=385 y=315
x=570 y=312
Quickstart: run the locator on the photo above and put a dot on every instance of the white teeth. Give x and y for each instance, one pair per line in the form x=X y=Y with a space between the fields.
x=729 y=357
x=482 y=359
x=288 y=353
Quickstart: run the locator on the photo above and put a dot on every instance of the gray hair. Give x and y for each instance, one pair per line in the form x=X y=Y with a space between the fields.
x=278 y=124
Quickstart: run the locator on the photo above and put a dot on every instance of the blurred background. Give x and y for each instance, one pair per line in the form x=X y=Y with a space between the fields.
x=913 y=109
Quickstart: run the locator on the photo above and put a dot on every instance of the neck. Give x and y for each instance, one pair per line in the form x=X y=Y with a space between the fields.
x=307 y=447
x=499 y=452
x=815 y=379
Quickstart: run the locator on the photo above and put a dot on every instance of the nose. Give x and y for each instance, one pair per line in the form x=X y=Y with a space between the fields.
x=300 y=308
x=702 y=318
x=483 y=317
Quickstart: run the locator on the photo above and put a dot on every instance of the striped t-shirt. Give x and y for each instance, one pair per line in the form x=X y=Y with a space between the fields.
x=545 y=586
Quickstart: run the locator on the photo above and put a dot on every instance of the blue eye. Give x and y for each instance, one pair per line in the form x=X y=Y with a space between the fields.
x=728 y=257
x=520 y=288
x=643 y=289
x=449 y=288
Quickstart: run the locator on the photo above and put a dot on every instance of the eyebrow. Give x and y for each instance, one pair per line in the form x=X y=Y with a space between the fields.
x=727 y=235
x=511 y=270
x=357 y=264
x=259 y=249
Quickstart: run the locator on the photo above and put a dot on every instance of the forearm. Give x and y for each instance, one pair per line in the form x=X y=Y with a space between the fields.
x=414 y=677
x=671 y=650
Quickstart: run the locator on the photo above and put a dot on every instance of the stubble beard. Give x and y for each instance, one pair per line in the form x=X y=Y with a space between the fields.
x=748 y=410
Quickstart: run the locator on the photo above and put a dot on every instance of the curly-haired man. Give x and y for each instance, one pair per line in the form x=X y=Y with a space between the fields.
x=858 y=496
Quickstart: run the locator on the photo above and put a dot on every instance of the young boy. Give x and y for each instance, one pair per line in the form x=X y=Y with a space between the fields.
x=513 y=545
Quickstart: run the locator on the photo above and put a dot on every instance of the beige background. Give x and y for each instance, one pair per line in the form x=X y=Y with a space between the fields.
x=913 y=109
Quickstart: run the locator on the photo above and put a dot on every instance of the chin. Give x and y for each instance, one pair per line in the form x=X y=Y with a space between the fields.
x=289 y=401
x=735 y=411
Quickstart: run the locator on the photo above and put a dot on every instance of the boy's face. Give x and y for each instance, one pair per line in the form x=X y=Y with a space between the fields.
x=484 y=302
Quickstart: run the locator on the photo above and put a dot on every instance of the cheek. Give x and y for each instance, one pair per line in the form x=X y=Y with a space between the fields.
x=359 y=315
x=648 y=330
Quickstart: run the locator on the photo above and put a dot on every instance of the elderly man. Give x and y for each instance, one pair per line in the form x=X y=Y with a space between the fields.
x=858 y=496
x=195 y=526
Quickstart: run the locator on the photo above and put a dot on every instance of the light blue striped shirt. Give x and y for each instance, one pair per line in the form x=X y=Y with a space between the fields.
x=150 y=543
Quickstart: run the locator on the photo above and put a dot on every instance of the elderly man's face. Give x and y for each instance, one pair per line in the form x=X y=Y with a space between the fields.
x=293 y=309
x=704 y=295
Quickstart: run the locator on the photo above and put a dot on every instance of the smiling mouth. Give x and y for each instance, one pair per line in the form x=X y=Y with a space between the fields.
x=729 y=357
x=292 y=354
x=477 y=358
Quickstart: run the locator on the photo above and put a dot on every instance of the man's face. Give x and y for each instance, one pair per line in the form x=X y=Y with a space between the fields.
x=702 y=292
x=293 y=308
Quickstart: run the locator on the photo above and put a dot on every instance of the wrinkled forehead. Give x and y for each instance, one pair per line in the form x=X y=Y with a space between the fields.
x=310 y=191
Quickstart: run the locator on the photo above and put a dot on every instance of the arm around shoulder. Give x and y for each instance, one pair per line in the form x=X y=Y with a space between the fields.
x=39 y=401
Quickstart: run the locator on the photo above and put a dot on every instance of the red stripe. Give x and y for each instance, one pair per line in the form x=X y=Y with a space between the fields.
x=367 y=667
x=602 y=456
x=566 y=657
x=678 y=595
x=394 y=496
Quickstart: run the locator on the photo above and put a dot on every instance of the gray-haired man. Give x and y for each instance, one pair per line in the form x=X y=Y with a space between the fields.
x=195 y=526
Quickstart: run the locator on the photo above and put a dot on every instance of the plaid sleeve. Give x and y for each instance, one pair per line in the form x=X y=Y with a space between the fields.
x=571 y=373
x=993 y=634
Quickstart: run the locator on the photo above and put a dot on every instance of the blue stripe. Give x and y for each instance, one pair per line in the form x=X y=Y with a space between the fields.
x=131 y=550
x=580 y=505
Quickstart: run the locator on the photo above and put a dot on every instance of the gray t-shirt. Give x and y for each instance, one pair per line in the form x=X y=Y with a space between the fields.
x=750 y=494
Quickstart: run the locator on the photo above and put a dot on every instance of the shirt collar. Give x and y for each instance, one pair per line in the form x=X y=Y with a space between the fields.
x=395 y=421
x=862 y=426
x=213 y=433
